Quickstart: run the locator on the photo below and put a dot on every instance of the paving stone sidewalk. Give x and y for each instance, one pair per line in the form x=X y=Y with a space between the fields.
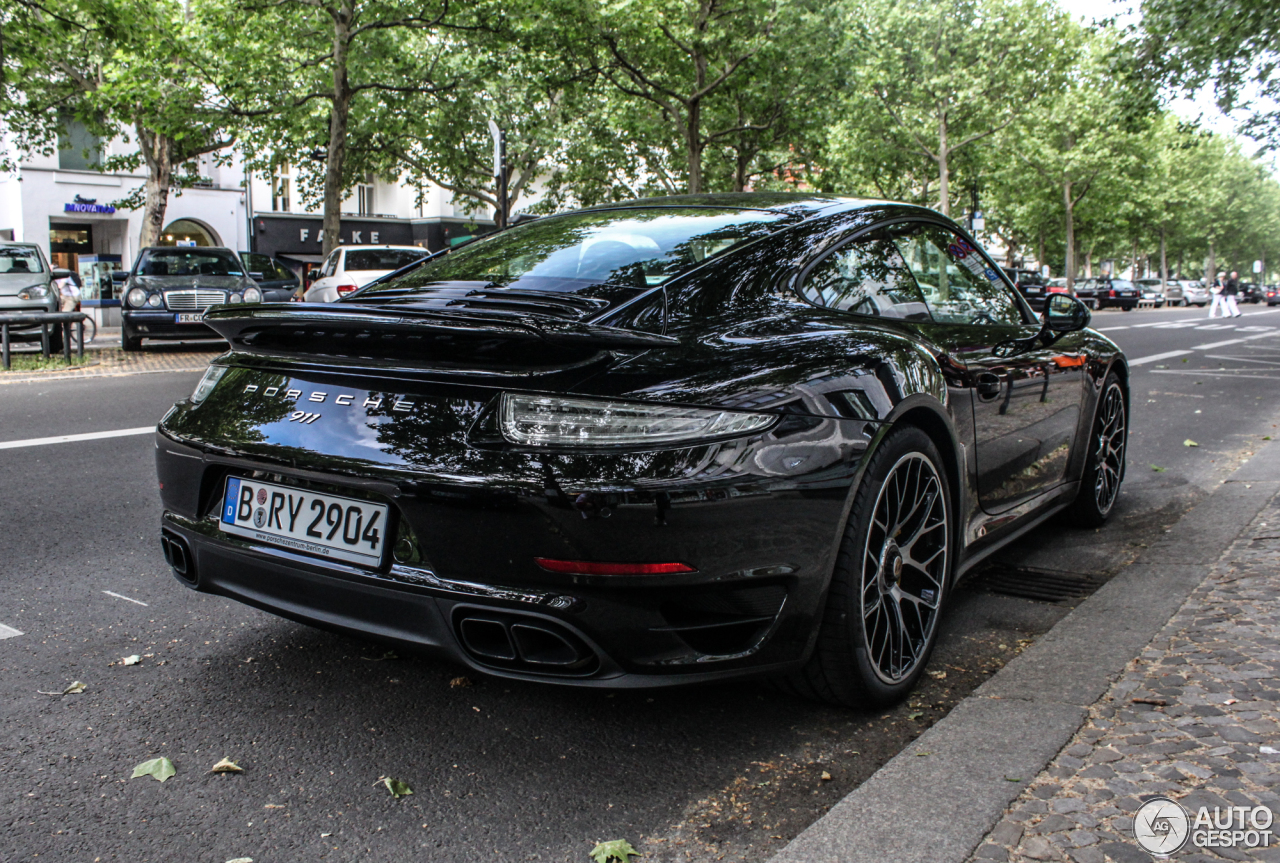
x=1187 y=720
x=109 y=360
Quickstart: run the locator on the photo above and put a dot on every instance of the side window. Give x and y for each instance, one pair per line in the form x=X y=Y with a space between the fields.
x=958 y=284
x=866 y=277
x=331 y=264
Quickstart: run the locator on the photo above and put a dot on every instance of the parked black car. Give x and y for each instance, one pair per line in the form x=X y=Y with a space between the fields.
x=1030 y=284
x=1107 y=293
x=1251 y=292
x=277 y=281
x=170 y=287
x=651 y=443
x=1273 y=295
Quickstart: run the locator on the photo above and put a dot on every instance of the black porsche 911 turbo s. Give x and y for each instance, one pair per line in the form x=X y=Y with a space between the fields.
x=650 y=443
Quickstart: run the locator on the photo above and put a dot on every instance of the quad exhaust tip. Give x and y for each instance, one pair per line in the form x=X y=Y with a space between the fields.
x=521 y=642
x=178 y=555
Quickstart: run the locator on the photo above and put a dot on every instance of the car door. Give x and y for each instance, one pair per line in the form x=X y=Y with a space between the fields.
x=1025 y=401
x=323 y=287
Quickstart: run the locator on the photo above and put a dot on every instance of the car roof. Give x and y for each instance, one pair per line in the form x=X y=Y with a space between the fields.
x=360 y=247
x=211 y=248
x=789 y=203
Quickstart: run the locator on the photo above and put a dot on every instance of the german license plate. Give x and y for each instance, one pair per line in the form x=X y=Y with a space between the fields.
x=339 y=528
x=1033 y=290
x=188 y=317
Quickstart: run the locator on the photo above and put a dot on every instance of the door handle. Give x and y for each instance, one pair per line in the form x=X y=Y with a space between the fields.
x=989 y=385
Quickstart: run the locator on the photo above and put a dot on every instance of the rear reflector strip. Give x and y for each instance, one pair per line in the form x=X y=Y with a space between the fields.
x=591 y=567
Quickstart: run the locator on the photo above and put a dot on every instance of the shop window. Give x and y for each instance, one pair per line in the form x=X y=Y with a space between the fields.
x=186 y=232
x=78 y=148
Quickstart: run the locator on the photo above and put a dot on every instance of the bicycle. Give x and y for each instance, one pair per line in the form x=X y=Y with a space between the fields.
x=90 y=331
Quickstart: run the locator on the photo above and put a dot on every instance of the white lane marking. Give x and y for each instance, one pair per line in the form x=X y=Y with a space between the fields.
x=69 y=438
x=1242 y=373
x=1217 y=327
x=8 y=632
x=1241 y=359
x=1255 y=329
x=1178 y=325
x=1262 y=335
x=122 y=596
x=1211 y=345
x=1110 y=329
x=1154 y=357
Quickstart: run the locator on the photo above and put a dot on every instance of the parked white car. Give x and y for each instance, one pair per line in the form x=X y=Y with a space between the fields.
x=351 y=267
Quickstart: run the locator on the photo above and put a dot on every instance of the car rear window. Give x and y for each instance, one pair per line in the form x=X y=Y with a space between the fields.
x=381 y=259
x=636 y=248
x=16 y=259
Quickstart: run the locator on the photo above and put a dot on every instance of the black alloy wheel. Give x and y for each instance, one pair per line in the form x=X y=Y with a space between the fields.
x=1104 y=470
x=890 y=580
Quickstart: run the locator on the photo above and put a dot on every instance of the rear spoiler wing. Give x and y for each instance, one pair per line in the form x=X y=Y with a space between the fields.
x=237 y=323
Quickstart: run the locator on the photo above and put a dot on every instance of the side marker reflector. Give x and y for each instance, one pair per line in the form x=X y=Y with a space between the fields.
x=591 y=567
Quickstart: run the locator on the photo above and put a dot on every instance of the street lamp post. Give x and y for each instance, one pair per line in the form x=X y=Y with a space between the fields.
x=501 y=215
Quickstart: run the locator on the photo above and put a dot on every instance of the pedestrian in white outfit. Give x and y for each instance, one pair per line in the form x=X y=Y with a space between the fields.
x=1230 y=288
x=1219 y=300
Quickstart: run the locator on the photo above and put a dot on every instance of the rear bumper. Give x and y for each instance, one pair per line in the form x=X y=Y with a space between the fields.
x=519 y=634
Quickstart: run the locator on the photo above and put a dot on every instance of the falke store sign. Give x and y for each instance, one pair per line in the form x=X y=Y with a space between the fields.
x=307 y=234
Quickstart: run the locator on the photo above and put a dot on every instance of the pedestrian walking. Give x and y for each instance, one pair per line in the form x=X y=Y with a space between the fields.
x=1219 y=301
x=68 y=294
x=1230 y=288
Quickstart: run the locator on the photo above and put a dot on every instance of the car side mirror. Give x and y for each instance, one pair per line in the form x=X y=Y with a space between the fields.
x=59 y=273
x=1065 y=314
x=119 y=275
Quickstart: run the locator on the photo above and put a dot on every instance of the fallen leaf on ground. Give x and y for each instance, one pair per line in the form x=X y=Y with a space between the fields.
x=459 y=682
x=159 y=769
x=1267 y=437
x=1189 y=442
x=74 y=689
x=131 y=660
x=618 y=850
x=1157 y=469
x=938 y=675
x=398 y=787
x=1155 y=702
x=226 y=765
x=826 y=777
x=1012 y=779
x=916 y=714
x=274 y=806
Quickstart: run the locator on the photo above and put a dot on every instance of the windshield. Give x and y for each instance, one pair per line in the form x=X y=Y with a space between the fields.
x=381 y=259
x=189 y=262
x=636 y=248
x=1122 y=284
x=17 y=259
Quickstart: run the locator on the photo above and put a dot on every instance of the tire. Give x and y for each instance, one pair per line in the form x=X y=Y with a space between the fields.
x=1126 y=308
x=878 y=593
x=128 y=341
x=1104 y=465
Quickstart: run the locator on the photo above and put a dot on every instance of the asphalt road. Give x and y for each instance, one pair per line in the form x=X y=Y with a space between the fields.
x=500 y=771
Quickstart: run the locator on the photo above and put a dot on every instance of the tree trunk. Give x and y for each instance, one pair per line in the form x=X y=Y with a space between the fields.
x=338 y=116
x=157 y=151
x=1211 y=268
x=1040 y=252
x=944 y=168
x=1071 y=235
x=1164 y=261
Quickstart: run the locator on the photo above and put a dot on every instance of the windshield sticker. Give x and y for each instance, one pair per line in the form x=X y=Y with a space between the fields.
x=965 y=253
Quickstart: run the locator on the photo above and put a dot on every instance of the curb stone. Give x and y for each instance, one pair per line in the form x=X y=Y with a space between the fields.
x=938 y=808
